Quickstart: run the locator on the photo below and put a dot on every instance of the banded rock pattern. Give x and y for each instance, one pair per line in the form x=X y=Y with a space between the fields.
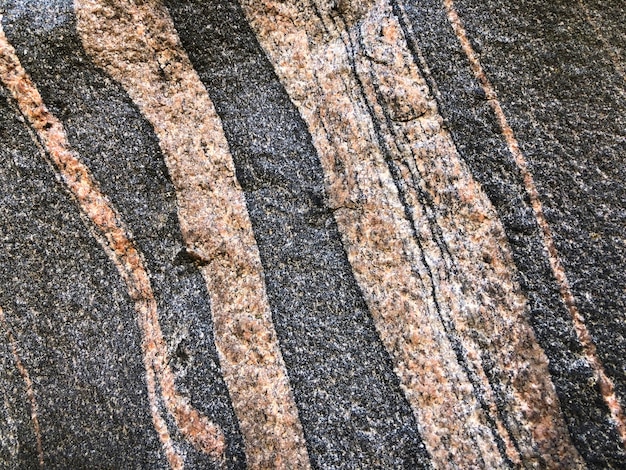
x=285 y=235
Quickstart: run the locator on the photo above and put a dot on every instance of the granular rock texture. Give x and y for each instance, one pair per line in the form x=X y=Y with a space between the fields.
x=423 y=240
x=312 y=234
x=138 y=46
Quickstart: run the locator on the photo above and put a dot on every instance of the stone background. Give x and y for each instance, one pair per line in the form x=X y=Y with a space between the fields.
x=536 y=337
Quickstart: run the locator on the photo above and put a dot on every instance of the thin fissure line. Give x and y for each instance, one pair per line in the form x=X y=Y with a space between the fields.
x=607 y=388
x=423 y=196
x=420 y=62
x=203 y=434
x=449 y=329
x=447 y=322
x=28 y=385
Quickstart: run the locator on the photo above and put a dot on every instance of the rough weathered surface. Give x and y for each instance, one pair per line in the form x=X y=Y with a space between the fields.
x=423 y=240
x=138 y=46
x=328 y=234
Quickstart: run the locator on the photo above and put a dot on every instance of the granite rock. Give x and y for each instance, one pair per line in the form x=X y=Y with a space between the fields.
x=327 y=234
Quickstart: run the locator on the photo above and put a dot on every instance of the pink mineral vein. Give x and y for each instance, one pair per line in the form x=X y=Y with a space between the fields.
x=28 y=386
x=607 y=388
x=425 y=244
x=137 y=45
x=115 y=240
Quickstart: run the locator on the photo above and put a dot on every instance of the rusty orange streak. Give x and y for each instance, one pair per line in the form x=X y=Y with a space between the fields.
x=28 y=385
x=203 y=434
x=607 y=388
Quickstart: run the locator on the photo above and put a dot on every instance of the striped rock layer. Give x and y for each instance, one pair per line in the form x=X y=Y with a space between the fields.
x=424 y=242
x=116 y=242
x=299 y=254
x=138 y=47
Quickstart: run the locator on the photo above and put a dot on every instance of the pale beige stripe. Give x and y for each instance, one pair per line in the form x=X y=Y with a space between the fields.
x=28 y=386
x=113 y=237
x=348 y=69
x=138 y=46
x=607 y=388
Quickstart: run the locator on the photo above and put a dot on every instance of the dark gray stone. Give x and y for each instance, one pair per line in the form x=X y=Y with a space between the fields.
x=558 y=80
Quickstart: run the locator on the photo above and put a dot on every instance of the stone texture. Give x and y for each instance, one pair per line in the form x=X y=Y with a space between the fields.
x=416 y=227
x=328 y=234
x=143 y=53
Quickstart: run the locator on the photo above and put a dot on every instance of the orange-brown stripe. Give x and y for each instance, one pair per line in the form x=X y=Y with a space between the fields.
x=607 y=388
x=138 y=46
x=113 y=237
x=28 y=386
x=425 y=244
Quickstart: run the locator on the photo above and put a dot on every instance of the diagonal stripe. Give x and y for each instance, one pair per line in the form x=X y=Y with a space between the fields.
x=607 y=388
x=474 y=129
x=28 y=386
x=203 y=434
x=424 y=242
x=350 y=403
x=139 y=47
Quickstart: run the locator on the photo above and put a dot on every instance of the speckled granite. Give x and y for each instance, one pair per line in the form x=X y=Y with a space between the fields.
x=312 y=234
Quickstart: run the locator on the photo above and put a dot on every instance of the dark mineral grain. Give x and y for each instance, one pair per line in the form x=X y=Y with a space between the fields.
x=558 y=70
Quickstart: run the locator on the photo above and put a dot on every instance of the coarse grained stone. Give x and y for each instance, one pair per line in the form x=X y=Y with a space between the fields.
x=75 y=383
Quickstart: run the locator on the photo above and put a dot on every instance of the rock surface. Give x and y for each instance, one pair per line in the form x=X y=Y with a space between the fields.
x=312 y=234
